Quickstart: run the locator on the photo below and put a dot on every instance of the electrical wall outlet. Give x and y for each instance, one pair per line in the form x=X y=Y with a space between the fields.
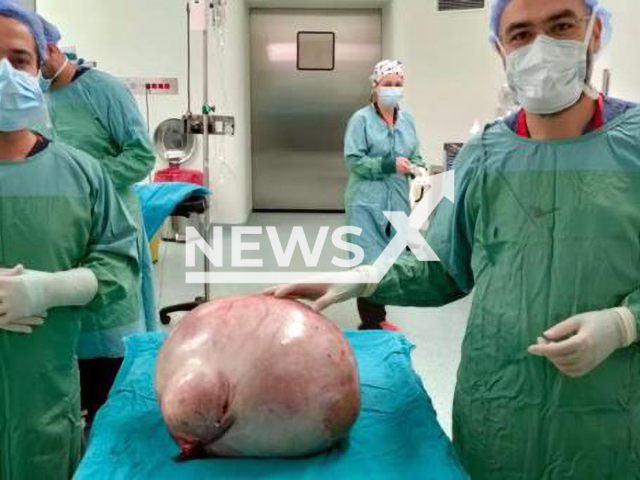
x=154 y=86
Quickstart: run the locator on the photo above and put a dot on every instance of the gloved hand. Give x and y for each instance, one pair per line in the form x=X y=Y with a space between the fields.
x=26 y=293
x=24 y=325
x=595 y=336
x=9 y=296
x=327 y=290
x=418 y=190
x=419 y=172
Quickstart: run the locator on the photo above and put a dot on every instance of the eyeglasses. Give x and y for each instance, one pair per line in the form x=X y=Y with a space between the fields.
x=565 y=28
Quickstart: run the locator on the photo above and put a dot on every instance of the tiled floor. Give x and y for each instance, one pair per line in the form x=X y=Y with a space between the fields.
x=437 y=333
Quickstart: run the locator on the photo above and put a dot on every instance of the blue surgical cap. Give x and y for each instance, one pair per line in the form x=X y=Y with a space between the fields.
x=17 y=11
x=51 y=32
x=498 y=6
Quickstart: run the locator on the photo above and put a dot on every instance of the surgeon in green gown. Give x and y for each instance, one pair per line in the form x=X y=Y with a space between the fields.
x=545 y=229
x=67 y=252
x=95 y=113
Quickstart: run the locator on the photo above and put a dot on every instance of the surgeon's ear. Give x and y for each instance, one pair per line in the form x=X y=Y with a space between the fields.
x=596 y=39
x=57 y=50
x=501 y=54
x=51 y=51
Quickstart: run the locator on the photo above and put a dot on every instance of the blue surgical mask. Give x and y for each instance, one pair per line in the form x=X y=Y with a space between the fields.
x=549 y=75
x=45 y=83
x=390 y=96
x=22 y=104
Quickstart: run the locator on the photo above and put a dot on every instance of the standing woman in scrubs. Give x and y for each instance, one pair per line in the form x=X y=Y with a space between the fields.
x=381 y=150
x=93 y=112
x=67 y=251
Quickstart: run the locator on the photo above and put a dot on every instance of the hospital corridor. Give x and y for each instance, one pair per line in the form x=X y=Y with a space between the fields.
x=319 y=239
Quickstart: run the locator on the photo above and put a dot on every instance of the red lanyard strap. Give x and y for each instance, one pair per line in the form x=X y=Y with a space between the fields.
x=597 y=122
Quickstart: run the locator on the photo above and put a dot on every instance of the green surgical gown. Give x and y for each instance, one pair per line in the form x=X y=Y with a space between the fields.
x=58 y=211
x=542 y=230
x=370 y=149
x=98 y=115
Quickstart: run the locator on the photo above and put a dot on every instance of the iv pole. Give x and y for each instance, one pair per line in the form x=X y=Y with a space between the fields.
x=206 y=124
x=205 y=145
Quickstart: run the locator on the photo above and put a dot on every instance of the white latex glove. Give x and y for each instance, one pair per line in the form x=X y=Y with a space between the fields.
x=419 y=172
x=25 y=294
x=595 y=336
x=327 y=290
x=20 y=325
x=417 y=193
x=24 y=326
x=419 y=188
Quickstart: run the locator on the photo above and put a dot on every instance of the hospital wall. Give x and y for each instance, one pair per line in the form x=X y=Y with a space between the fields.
x=148 y=38
x=453 y=75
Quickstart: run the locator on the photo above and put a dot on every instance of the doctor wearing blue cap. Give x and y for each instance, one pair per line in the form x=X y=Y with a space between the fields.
x=67 y=255
x=93 y=112
x=545 y=228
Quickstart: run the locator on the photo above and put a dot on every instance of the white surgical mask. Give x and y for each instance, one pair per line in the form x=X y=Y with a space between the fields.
x=45 y=83
x=22 y=104
x=549 y=75
x=390 y=96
